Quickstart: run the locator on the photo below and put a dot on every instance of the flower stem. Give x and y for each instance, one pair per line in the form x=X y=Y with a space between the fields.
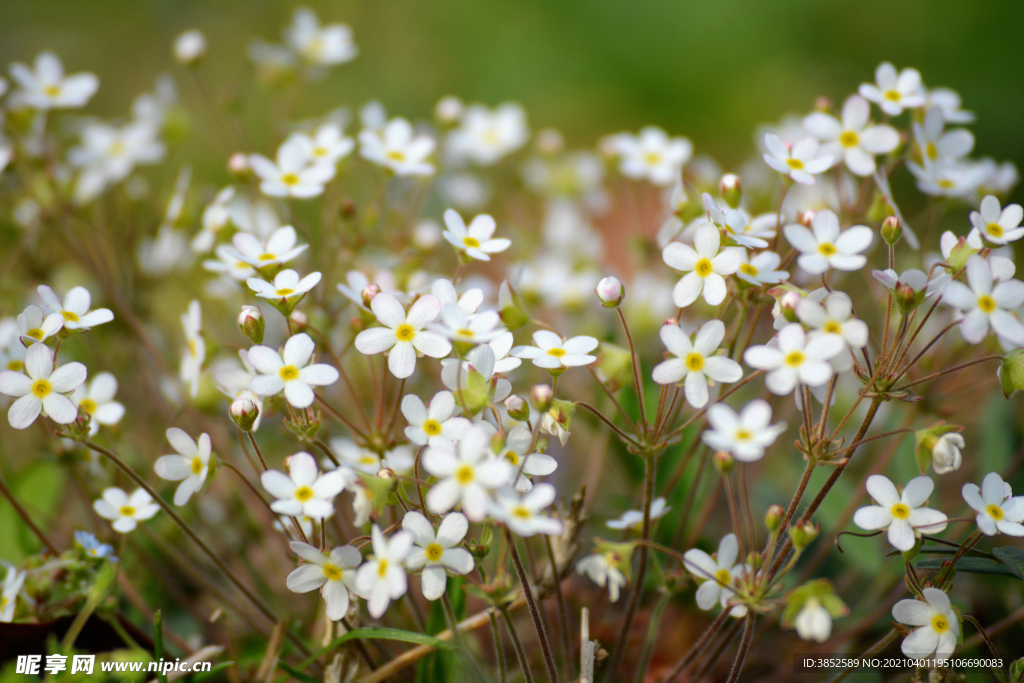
x=531 y=602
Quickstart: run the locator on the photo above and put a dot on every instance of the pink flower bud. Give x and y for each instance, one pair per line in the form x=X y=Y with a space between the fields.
x=610 y=292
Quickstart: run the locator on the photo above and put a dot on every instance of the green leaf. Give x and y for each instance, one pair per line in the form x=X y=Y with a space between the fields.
x=382 y=634
x=212 y=673
x=974 y=565
x=1013 y=558
x=298 y=675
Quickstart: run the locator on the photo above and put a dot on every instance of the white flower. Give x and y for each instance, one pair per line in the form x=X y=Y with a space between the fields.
x=984 y=304
x=717 y=574
x=893 y=92
x=92 y=547
x=653 y=156
x=290 y=372
x=278 y=248
x=75 y=309
x=552 y=352
x=468 y=303
x=853 y=140
x=382 y=578
x=798 y=358
x=216 y=215
x=603 y=572
x=946 y=455
x=950 y=102
x=835 y=317
x=823 y=246
x=485 y=135
x=333 y=573
x=734 y=222
x=696 y=361
x=745 y=435
x=475 y=240
x=402 y=335
x=396 y=148
x=467 y=471
x=286 y=286
x=998 y=510
x=813 y=622
x=903 y=515
x=331 y=44
x=109 y=153
x=47 y=88
x=33 y=327
x=915 y=280
x=13 y=581
x=228 y=263
x=761 y=269
x=634 y=519
x=517 y=453
x=455 y=373
x=800 y=163
x=704 y=266
x=938 y=146
x=428 y=424
x=291 y=175
x=233 y=382
x=937 y=622
x=327 y=145
x=189 y=46
x=190 y=466
x=97 y=401
x=436 y=553
x=195 y=347
x=303 y=491
x=949 y=179
x=472 y=329
x=357 y=457
x=124 y=510
x=521 y=512
x=41 y=389
x=995 y=225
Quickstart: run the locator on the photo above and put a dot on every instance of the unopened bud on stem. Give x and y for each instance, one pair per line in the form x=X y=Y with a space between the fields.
x=517 y=408
x=370 y=291
x=252 y=324
x=731 y=190
x=724 y=462
x=244 y=412
x=891 y=230
x=610 y=292
x=541 y=396
x=773 y=518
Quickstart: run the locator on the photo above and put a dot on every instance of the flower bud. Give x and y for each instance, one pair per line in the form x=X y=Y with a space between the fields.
x=803 y=534
x=731 y=190
x=724 y=462
x=959 y=254
x=238 y=166
x=541 y=396
x=386 y=474
x=252 y=324
x=906 y=297
x=448 y=110
x=244 y=412
x=939 y=446
x=299 y=319
x=517 y=408
x=1011 y=372
x=788 y=302
x=773 y=518
x=823 y=104
x=610 y=291
x=189 y=47
x=891 y=230
x=671 y=321
x=370 y=291
x=804 y=218
x=550 y=141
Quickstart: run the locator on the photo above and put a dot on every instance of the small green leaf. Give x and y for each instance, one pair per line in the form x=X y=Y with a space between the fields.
x=975 y=565
x=212 y=673
x=382 y=634
x=1012 y=558
x=298 y=675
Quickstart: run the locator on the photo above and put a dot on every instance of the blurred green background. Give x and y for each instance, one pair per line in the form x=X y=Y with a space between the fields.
x=709 y=70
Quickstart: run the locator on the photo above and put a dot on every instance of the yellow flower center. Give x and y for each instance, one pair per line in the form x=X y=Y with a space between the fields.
x=723 y=577
x=795 y=164
x=266 y=257
x=557 y=353
x=432 y=427
x=652 y=158
x=748 y=269
x=117 y=148
x=41 y=388
x=900 y=511
x=833 y=327
x=434 y=552
x=332 y=571
x=127 y=511
x=15 y=365
x=931 y=150
x=35 y=333
x=382 y=568
x=521 y=512
x=405 y=332
x=288 y=373
x=197 y=465
x=743 y=435
x=703 y=267
x=284 y=291
x=892 y=95
x=396 y=155
x=465 y=332
x=52 y=90
x=827 y=249
x=319 y=152
x=946 y=184
x=986 y=303
x=512 y=457
x=849 y=139
x=88 y=405
x=290 y=179
x=940 y=624
x=69 y=316
x=470 y=242
x=303 y=493
x=795 y=358
x=465 y=475
x=368 y=460
x=994 y=229
x=995 y=512
x=192 y=347
x=694 y=361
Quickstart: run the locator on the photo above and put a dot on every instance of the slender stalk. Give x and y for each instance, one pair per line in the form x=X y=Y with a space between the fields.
x=23 y=513
x=517 y=645
x=531 y=602
x=499 y=650
x=744 y=649
x=563 y=614
x=636 y=369
x=652 y=638
x=621 y=434
x=453 y=626
x=252 y=440
x=948 y=371
x=697 y=648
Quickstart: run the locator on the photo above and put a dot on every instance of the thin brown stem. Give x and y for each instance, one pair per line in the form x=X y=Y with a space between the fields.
x=531 y=602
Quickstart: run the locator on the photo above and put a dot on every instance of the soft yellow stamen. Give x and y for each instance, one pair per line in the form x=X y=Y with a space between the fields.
x=795 y=164
x=382 y=568
x=432 y=427
x=743 y=435
x=723 y=576
x=940 y=624
x=703 y=267
x=303 y=493
x=900 y=511
x=332 y=571
x=35 y=333
x=994 y=229
x=127 y=511
x=849 y=139
x=471 y=242
x=434 y=552
x=197 y=465
x=288 y=373
x=266 y=257
x=465 y=475
x=986 y=303
x=15 y=365
x=41 y=388
x=995 y=512
x=557 y=353
x=290 y=179
x=827 y=249
x=69 y=316
x=833 y=327
x=748 y=269
x=512 y=457
x=405 y=332
x=521 y=512
x=88 y=405
x=795 y=358
x=931 y=150
x=892 y=95
x=694 y=361
x=396 y=155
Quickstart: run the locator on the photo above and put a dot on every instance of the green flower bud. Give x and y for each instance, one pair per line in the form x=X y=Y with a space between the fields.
x=251 y=323
x=541 y=396
x=891 y=230
x=731 y=190
x=773 y=518
x=1011 y=372
x=959 y=254
x=511 y=307
x=803 y=535
x=517 y=408
x=724 y=462
x=244 y=412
